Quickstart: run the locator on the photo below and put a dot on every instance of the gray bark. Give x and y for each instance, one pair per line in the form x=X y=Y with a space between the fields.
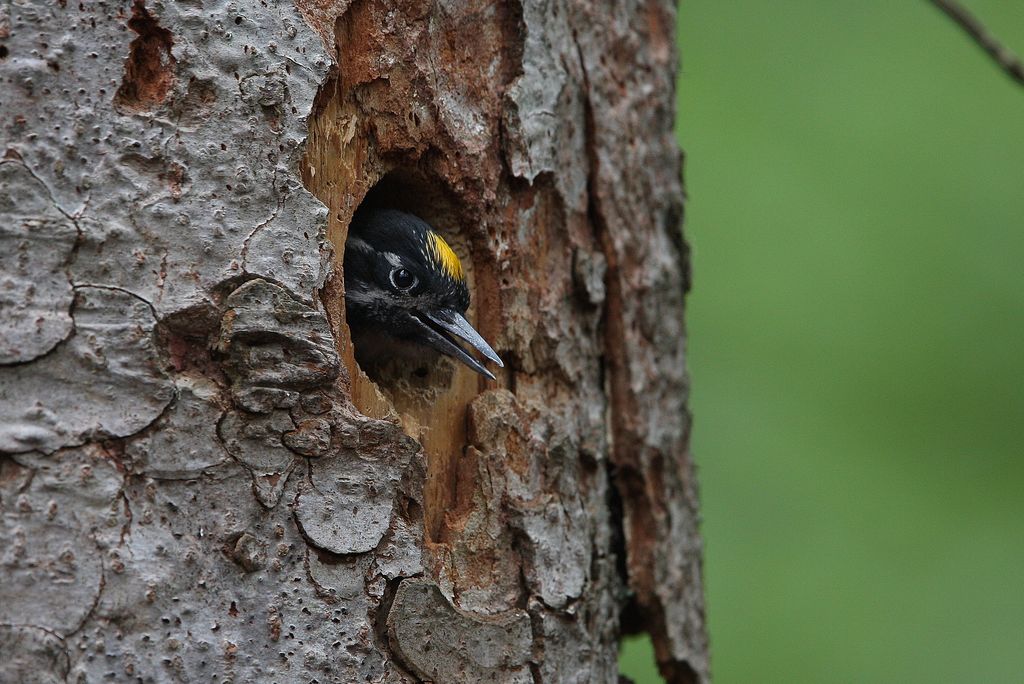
x=198 y=483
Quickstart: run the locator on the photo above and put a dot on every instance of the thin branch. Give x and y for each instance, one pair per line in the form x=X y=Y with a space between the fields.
x=1002 y=56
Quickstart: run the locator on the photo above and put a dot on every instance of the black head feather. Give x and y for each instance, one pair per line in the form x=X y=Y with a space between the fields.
x=403 y=282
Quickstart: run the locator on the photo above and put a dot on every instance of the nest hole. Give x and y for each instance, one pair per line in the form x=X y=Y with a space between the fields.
x=421 y=379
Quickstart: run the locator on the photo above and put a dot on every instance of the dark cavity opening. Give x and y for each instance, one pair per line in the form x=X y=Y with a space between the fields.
x=411 y=371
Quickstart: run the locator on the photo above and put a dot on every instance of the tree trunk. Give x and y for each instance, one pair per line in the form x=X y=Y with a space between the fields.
x=198 y=483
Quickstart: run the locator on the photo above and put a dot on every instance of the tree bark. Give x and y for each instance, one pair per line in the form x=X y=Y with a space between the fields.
x=197 y=481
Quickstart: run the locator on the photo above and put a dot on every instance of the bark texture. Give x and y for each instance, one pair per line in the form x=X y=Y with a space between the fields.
x=198 y=483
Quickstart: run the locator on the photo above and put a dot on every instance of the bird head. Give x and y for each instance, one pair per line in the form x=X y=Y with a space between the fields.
x=403 y=282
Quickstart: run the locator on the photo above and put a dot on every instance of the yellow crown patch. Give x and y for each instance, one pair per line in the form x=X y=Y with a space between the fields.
x=445 y=257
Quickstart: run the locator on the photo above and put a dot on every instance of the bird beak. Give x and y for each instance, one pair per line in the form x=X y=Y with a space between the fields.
x=440 y=326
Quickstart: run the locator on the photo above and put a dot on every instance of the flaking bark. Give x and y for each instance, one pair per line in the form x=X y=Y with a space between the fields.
x=198 y=483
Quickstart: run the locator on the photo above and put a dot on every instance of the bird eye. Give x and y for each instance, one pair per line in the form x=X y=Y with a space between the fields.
x=402 y=279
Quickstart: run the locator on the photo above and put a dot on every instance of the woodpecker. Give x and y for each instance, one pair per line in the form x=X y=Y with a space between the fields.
x=406 y=293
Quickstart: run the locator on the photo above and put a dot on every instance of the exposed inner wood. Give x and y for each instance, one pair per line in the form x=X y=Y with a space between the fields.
x=342 y=171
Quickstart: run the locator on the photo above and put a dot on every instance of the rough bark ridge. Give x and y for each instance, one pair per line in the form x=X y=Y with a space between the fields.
x=196 y=480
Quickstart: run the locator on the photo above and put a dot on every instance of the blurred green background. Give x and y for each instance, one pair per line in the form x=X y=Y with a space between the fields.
x=855 y=173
